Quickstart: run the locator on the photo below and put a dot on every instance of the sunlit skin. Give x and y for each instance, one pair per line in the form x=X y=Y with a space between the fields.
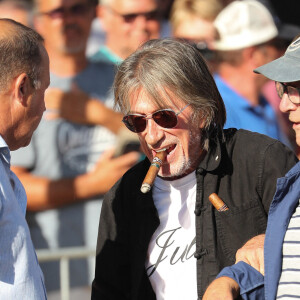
x=24 y=104
x=293 y=110
x=265 y=54
x=36 y=104
x=11 y=11
x=124 y=38
x=182 y=141
x=64 y=35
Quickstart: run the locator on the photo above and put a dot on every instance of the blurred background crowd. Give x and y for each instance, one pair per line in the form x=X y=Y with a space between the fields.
x=72 y=162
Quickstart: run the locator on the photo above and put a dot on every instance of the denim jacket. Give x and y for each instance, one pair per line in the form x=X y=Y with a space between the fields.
x=252 y=284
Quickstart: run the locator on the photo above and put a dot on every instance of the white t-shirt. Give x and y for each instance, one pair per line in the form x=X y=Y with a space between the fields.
x=170 y=263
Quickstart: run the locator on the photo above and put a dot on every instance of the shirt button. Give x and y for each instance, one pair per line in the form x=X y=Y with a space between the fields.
x=201 y=171
x=201 y=253
x=197 y=211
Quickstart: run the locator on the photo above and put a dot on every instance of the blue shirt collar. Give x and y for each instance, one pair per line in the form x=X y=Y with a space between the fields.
x=4 y=150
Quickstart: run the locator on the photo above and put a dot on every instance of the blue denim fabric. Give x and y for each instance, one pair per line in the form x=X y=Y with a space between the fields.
x=251 y=282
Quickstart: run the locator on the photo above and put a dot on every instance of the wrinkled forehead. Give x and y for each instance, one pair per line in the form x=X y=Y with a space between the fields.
x=158 y=98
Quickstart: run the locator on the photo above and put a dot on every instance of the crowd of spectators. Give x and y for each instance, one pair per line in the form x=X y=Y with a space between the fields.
x=70 y=162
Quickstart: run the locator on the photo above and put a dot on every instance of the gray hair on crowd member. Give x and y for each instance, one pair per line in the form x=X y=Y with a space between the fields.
x=20 y=52
x=164 y=68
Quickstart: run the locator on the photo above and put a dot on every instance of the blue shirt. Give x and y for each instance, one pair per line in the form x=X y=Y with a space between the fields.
x=281 y=210
x=242 y=115
x=20 y=274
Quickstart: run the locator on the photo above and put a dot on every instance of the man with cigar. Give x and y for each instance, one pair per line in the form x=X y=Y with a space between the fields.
x=282 y=242
x=170 y=243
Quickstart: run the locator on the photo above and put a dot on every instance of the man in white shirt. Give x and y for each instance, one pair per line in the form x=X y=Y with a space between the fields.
x=171 y=242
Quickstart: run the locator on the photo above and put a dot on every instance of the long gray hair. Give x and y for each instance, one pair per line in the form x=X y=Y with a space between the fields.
x=165 y=68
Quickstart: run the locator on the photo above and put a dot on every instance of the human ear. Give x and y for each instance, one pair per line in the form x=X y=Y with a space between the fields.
x=257 y=55
x=22 y=88
x=103 y=14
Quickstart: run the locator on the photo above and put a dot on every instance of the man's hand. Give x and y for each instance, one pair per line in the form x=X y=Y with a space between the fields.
x=109 y=170
x=252 y=253
x=76 y=106
x=223 y=288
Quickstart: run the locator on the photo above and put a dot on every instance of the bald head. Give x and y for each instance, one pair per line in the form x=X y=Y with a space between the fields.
x=20 y=52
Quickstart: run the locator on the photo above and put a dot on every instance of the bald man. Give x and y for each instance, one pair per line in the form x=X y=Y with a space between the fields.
x=24 y=78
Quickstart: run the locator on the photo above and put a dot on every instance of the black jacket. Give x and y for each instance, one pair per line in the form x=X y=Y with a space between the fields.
x=242 y=169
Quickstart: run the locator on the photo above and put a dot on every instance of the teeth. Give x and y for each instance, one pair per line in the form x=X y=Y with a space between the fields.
x=161 y=150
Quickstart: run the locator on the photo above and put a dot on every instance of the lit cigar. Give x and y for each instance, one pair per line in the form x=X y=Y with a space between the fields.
x=217 y=202
x=153 y=171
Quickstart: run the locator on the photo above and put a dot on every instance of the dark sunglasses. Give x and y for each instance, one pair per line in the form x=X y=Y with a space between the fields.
x=76 y=10
x=166 y=118
x=130 y=18
x=292 y=92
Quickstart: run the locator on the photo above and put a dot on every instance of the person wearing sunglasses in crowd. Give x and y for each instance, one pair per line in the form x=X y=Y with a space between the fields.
x=170 y=243
x=127 y=24
x=281 y=264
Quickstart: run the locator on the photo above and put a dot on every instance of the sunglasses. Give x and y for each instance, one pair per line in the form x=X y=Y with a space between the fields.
x=76 y=10
x=292 y=92
x=130 y=18
x=166 y=118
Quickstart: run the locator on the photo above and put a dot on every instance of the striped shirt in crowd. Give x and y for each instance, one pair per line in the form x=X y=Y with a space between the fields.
x=289 y=283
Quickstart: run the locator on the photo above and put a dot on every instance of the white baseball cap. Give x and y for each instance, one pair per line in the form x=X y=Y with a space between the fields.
x=244 y=24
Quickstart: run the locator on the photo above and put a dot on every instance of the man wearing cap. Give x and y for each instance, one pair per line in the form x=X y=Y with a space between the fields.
x=242 y=46
x=282 y=241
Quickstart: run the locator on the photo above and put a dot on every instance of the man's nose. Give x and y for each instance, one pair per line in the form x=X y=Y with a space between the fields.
x=286 y=104
x=141 y=21
x=153 y=133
